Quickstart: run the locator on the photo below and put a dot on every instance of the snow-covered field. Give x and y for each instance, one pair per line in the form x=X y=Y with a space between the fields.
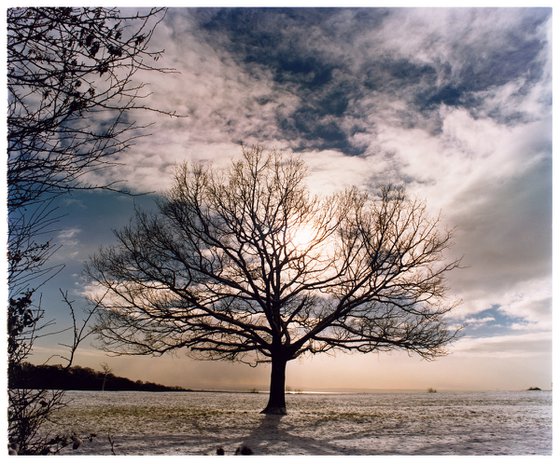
x=494 y=423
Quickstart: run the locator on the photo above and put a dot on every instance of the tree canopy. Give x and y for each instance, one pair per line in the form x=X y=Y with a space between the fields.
x=245 y=264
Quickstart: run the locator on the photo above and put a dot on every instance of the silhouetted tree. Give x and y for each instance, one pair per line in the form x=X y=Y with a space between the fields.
x=247 y=265
x=72 y=94
x=106 y=372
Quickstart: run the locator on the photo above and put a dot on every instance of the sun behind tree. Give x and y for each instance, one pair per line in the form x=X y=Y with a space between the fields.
x=246 y=265
x=303 y=236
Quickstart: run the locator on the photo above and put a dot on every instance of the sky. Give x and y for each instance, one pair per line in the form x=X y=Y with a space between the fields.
x=454 y=103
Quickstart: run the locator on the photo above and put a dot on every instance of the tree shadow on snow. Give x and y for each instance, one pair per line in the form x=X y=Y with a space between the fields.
x=275 y=435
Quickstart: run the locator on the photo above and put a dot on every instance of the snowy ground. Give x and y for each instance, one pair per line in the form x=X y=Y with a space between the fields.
x=497 y=423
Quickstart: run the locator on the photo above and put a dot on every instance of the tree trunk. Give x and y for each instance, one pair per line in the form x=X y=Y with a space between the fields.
x=277 y=398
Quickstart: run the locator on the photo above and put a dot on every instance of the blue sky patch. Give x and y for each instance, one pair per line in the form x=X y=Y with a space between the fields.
x=490 y=322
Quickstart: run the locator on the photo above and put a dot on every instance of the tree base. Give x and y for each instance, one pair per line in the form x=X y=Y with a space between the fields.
x=275 y=410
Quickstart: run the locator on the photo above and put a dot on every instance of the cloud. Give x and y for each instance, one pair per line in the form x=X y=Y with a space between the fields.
x=505 y=346
x=221 y=103
x=463 y=44
x=70 y=244
x=504 y=230
x=74 y=202
x=476 y=322
x=68 y=235
x=335 y=79
x=501 y=319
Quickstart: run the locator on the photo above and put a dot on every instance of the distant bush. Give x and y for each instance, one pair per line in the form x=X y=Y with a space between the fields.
x=54 y=377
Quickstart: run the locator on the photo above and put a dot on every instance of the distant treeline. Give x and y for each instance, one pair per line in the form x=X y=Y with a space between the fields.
x=55 y=377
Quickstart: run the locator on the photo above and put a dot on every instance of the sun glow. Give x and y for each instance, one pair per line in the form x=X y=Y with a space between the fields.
x=303 y=237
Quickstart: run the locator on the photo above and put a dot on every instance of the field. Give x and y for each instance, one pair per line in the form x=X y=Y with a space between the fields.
x=443 y=423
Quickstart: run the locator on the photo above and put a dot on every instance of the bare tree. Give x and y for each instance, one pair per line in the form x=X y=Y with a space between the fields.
x=30 y=409
x=247 y=265
x=106 y=369
x=73 y=91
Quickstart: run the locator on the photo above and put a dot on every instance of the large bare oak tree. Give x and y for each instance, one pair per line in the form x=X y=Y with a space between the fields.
x=245 y=264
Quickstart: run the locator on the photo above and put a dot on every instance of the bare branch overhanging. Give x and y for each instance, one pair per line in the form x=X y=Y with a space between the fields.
x=74 y=91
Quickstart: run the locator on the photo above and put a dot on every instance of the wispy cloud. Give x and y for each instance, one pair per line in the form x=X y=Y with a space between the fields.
x=505 y=346
x=70 y=244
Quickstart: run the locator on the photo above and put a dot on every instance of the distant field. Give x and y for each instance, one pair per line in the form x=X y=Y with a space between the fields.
x=194 y=423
